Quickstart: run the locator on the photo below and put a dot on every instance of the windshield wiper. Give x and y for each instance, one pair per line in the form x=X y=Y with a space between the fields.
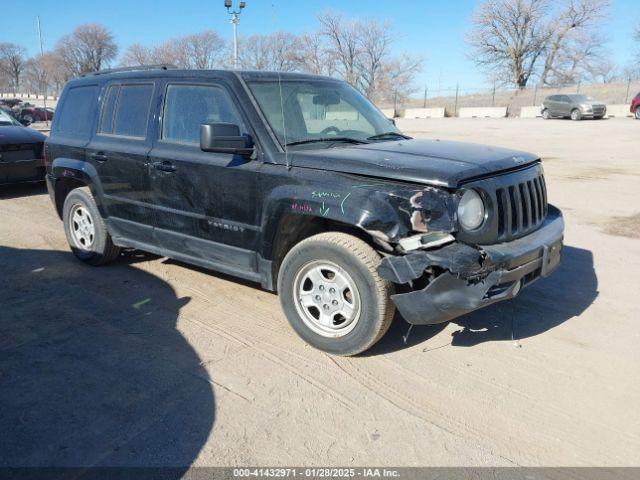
x=326 y=139
x=381 y=136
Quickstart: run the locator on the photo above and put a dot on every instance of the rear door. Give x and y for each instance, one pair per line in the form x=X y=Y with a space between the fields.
x=552 y=105
x=565 y=105
x=206 y=202
x=119 y=153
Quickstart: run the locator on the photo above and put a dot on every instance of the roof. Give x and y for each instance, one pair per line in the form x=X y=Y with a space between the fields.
x=169 y=72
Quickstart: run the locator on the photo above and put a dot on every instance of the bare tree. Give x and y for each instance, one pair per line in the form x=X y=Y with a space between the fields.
x=199 y=50
x=135 y=55
x=360 y=50
x=343 y=43
x=35 y=75
x=204 y=50
x=577 y=17
x=12 y=62
x=88 y=48
x=56 y=71
x=509 y=37
x=312 y=56
x=582 y=58
x=275 y=51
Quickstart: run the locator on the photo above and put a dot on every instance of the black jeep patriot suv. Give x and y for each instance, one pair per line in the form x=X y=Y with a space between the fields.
x=299 y=183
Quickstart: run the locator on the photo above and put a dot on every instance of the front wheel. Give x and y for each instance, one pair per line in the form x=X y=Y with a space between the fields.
x=332 y=295
x=85 y=230
x=575 y=114
x=545 y=114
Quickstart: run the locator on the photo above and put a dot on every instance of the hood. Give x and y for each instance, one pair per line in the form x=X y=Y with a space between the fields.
x=434 y=162
x=14 y=134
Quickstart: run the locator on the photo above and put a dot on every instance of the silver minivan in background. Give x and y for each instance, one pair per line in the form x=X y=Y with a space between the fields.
x=574 y=106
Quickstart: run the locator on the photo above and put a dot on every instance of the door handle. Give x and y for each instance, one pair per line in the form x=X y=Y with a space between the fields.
x=164 y=166
x=99 y=157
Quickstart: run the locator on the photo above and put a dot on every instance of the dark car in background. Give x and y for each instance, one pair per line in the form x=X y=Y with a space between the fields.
x=574 y=106
x=35 y=114
x=635 y=106
x=21 y=152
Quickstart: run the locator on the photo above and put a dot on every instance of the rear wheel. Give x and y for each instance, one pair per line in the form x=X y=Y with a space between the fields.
x=85 y=230
x=576 y=115
x=637 y=113
x=332 y=295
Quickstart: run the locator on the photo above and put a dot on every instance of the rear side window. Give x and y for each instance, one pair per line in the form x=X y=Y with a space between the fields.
x=188 y=106
x=125 y=111
x=77 y=113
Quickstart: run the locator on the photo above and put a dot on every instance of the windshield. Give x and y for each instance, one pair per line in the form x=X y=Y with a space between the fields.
x=582 y=98
x=320 y=113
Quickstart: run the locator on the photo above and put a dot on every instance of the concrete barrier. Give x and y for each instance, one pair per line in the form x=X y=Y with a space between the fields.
x=618 y=111
x=482 y=112
x=388 y=112
x=424 y=113
x=531 y=112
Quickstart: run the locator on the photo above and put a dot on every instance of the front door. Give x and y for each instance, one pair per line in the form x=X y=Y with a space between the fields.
x=206 y=209
x=118 y=151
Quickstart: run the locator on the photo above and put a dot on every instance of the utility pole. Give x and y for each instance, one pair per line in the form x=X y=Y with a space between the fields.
x=426 y=94
x=234 y=20
x=44 y=101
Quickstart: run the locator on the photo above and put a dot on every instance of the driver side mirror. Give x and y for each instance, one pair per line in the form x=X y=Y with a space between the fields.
x=224 y=138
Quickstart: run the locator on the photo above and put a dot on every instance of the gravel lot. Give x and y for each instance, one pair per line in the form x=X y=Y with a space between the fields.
x=151 y=362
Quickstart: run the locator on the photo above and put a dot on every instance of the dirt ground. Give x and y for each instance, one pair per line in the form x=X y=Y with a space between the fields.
x=152 y=362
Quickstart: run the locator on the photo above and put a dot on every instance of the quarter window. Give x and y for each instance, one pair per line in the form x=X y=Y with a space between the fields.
x=78 y=110
x=188 y=106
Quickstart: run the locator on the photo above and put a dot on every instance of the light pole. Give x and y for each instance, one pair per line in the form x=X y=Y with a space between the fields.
x=234 y=20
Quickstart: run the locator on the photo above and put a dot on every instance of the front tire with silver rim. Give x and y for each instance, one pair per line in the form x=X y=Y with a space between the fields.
x=85 y=230
x=332 y=295
x=576 y=115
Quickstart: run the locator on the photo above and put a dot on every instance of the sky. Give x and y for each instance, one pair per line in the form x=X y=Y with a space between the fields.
x=432 y=29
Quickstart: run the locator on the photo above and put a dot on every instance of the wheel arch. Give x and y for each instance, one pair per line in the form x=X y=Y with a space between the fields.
x=69 y=174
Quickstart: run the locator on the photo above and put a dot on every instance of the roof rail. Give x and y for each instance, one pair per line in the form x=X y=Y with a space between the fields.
x=130 y=69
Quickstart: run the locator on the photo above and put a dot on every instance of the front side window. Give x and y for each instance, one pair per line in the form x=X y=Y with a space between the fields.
x=320 y=112
x=189 y=106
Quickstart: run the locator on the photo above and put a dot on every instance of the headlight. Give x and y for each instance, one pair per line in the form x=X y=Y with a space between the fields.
x=471 y=210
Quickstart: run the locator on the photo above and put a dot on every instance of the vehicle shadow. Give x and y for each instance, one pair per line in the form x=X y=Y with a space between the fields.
x=549 y=302
x=93 y=372
x=22 y=190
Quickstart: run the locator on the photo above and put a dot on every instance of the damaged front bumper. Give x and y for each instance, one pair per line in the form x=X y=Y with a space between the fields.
x=472 y=277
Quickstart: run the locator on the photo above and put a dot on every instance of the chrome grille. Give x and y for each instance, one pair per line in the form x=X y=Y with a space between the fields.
x=521 y=207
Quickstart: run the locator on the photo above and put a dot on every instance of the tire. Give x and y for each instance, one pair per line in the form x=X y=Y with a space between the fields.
x=545 y=114
x=637 y=113
x=353 y=263
x=576 y=115
x=86 y=232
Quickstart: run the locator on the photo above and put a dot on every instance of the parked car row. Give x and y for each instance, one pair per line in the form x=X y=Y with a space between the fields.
x=578 y=107
x=25 y=112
